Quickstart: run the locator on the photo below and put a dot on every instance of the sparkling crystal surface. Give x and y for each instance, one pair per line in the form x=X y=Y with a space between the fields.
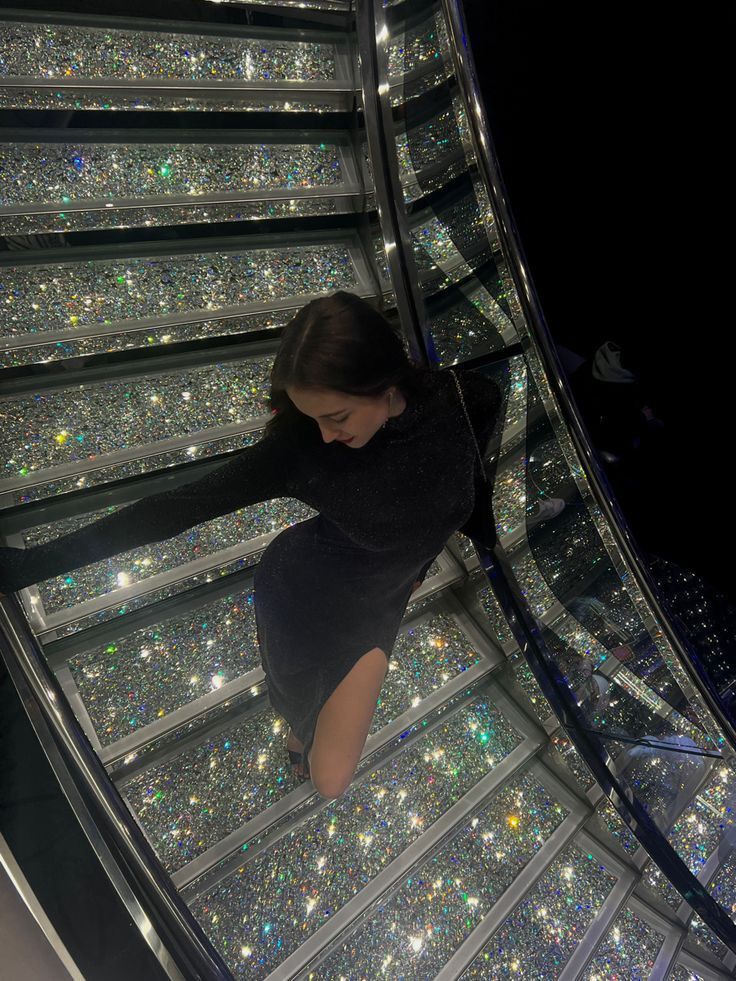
x=249 y=758
x=629 y=951
x=544 y=929
x=260 y=914
x=416 y=931
x=41 y=298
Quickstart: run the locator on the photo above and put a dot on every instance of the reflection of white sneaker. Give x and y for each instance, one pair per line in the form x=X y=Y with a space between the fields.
x=544 y=510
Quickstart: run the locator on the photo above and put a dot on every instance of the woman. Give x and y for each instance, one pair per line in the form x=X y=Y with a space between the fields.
x=381 y=448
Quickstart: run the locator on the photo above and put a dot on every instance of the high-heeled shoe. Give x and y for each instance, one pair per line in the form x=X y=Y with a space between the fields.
x=296 y=760
x=295 y=756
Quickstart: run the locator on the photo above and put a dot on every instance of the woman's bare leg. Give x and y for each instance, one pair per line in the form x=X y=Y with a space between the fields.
x=343 y=724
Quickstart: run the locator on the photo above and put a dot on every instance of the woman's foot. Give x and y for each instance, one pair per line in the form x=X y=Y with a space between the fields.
x=294 y=746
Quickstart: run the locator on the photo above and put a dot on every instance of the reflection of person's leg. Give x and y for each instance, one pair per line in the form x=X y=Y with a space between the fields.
x=343 y=724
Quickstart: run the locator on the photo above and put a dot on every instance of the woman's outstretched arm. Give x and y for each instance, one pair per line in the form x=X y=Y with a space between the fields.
x=256 y=473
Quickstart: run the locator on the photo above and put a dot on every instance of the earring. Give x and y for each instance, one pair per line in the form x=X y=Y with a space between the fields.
x=390 y=396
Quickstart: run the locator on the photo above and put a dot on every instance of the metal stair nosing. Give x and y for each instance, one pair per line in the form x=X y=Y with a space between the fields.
x=389 y=880
x=346 y=189
x=338 y=95
x=168 y=248
x=214 y=29
x=163 y=138
x=217 y=862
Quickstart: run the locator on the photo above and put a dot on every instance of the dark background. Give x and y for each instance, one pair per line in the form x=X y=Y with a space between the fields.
x=607 y=124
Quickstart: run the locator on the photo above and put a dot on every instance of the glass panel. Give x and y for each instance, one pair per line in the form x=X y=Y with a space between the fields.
x=601 y=642
x=602 y=639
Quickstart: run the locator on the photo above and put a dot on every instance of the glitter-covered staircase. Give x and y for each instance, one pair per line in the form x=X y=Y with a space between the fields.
x=161 y=251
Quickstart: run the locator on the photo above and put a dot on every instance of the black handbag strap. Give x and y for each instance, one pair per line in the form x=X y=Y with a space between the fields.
x=470 y=425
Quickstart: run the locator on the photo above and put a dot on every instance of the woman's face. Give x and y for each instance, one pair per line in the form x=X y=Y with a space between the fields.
x=342 y=417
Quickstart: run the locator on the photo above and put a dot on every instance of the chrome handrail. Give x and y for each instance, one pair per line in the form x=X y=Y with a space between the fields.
x=163 y=919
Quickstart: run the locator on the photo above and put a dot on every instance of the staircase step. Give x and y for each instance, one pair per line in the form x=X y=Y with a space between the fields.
x=282 y=895
x=156 y=670
x=122 y=178
x=26 y=354
x=100 y=65
x=53 y=302
x=417 y=928
x=431 y=653
x=217 y=541
x=543 y=930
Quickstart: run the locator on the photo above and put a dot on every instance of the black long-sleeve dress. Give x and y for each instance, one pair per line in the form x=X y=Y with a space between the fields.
x=330 y=588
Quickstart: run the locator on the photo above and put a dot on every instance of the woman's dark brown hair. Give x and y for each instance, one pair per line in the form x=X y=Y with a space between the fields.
x=342 y=343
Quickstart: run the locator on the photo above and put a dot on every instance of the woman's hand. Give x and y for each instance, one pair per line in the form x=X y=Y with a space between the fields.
x=415 y=587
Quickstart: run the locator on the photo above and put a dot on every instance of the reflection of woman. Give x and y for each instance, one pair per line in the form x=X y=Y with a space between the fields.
x=381 y=448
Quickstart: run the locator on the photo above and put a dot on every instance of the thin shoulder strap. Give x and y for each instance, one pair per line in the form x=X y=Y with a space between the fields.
x=470 y=426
